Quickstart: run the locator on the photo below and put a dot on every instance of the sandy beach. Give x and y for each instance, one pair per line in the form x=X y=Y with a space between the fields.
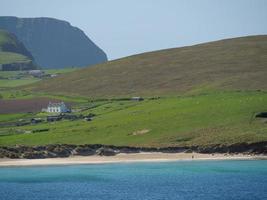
x=126 y=158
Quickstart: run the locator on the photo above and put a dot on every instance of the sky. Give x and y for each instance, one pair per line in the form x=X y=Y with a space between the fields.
x=126 y=27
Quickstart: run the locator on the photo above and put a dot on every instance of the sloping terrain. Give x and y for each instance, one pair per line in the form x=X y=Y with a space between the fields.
x=222 y=118
x=235 y=64
x=54 y=43
x=13 y=52
x=10 y=43
x=224 y=114
x=9 y=57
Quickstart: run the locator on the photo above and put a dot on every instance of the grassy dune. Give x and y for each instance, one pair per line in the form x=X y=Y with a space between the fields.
x=215 y=118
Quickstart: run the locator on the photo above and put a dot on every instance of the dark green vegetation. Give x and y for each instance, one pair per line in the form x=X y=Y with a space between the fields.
x=234 y=64
x=217 y=118
x=13 y=54
x=54 y=43
x=209 y=94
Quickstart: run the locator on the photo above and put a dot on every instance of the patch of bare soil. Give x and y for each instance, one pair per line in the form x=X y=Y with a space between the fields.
x=25 y=105
x=140 y=132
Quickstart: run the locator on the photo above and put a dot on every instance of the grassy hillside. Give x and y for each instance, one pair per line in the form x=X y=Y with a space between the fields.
x=232 y=74
x=12 y=50
x=216 y=118
x=235 y=64
x=9 y=57
x=6 y=38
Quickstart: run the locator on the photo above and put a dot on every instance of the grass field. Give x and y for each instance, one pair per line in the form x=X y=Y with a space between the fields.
x=8 y=79
x=9 y=57
x=19 y=82
x=60 y=71
x=12 y=117
x=215 y=118
x=11 y=79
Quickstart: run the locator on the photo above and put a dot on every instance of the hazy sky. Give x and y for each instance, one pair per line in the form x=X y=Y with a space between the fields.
x=126 y=27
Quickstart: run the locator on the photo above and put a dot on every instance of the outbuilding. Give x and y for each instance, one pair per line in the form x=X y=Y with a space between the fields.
x=36 y=120
x=137 y=99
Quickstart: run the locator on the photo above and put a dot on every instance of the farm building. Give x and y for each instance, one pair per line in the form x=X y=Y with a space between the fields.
x=137 y=99
x=57 y=108
x=36 y=120
x=36 y=73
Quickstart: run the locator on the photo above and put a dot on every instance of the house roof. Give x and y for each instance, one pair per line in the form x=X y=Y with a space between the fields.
x=56 y=104
x=36 y=72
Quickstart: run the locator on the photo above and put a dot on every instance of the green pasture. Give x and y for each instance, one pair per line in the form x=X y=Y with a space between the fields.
x=214 y=118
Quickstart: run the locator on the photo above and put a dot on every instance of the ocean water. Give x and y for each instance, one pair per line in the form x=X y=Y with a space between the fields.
x=205 y=180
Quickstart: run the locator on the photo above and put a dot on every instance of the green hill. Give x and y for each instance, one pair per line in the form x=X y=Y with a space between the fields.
x=235 y=64
x=223 y=118
x=224 y=82
x=13 y=54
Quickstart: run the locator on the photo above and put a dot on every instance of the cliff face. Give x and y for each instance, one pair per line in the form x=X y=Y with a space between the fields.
x=54 y=43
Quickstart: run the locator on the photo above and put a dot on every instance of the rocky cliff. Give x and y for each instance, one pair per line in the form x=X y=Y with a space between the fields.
x=54 y=43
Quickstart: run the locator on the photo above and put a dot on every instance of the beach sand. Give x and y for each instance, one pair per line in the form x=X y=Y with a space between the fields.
x=126 y=158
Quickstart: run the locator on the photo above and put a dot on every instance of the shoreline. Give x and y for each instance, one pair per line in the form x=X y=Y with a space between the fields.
x=126 y=158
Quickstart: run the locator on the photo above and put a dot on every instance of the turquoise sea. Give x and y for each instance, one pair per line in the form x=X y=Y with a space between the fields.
x=205 y=180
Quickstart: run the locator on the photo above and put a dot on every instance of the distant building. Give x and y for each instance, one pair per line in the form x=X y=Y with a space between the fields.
x=137 y=99
x=36 y=120
x=53 y=75
x=88 y=119
x=57 y=108
x=36 y=73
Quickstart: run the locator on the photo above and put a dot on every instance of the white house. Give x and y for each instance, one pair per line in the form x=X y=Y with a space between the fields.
x=137 y=99
x=36 y=73
x=57 y=108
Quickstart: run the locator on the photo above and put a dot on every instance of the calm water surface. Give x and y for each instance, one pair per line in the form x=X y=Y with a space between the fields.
x=203 y=180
